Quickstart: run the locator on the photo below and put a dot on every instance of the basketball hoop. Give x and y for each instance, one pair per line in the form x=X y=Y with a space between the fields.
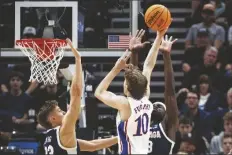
x=45 y=56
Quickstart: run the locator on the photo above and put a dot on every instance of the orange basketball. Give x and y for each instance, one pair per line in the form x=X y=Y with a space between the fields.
x=157 y=17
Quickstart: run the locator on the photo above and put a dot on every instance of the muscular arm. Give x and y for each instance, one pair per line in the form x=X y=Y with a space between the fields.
x=107 y=97
x=170 y=98
x=73 y=112
x=98 y=144
x=150 y=61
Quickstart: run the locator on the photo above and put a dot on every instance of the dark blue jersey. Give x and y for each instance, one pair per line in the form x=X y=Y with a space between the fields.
x=52 y=144
x=159 y=143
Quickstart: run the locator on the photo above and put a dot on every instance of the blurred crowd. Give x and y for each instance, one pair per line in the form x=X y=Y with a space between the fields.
x=205 y=99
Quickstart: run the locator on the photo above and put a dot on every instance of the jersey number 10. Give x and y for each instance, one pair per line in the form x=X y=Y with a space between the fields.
x=142 y=124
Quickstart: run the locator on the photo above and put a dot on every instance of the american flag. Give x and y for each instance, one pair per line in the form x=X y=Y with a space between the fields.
x=118 y=41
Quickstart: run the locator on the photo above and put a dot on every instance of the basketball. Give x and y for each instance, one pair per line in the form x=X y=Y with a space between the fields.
x=157 y=17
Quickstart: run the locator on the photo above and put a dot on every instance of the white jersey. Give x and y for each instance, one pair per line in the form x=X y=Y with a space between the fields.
x=134 y=133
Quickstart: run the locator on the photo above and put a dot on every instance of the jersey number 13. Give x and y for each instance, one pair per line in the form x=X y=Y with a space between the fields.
x=49 y=150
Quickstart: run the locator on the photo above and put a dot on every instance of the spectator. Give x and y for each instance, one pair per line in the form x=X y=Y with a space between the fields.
x=187 y=145
x=220 y=7
x=226 y=144
x=29 y=32
x=201 y=119
x=194 y=55
x=230 y=36
x=52 y=92
x=220 y=112
x=216 y=145
x=15 y=101
x=217 y=32
x=209 y=100
x=229 y=12
x=208 y=67
x=185 y=127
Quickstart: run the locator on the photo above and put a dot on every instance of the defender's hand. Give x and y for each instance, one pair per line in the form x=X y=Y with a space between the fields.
x=135 y=43
x=166 y=44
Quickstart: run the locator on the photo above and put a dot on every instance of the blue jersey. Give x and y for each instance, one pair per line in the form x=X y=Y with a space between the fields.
x=159 y=143
x=52 y=144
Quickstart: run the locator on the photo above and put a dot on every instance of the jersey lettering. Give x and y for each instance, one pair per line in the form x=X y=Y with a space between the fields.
x=142 y=107
x=49 y=150
x=155 y=134
x=150 y=146
x=142 y=124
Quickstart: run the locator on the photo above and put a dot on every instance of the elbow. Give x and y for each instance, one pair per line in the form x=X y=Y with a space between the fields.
x=97 y=93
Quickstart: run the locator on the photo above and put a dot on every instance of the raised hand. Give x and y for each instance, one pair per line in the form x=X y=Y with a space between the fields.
x=135 y=43
x=75 y=52
x=166 y=44
x=122 y=61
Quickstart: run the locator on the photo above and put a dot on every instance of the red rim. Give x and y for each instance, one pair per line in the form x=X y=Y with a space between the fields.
x=40 y=41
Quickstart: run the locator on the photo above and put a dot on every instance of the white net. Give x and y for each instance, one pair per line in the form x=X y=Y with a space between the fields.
x=44 y=59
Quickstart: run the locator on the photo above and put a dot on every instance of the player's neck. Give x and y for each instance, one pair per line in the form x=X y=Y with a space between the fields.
x=16 y=92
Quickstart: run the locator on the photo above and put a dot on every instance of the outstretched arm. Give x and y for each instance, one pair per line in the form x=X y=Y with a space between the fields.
x=98 y=144
x=171 y=121
x=73 y=112
x=151 y=58
x=107 y=97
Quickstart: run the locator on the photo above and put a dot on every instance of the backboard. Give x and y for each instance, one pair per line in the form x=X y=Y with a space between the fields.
x=43 y=5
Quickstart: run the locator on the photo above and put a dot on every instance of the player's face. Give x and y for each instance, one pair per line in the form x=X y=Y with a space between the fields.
x=57 y=116
x=185 y=129
x=228 y=126
x=227 y=145
x=192 y=100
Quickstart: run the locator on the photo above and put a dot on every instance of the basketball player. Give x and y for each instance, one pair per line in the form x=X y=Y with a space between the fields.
x=61 y=135
x=163 y=128
x=160 y=143
x=134 y=110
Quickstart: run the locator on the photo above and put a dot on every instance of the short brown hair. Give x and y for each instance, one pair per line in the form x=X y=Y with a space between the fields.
x=136 y=82
x=44 y=112
x=227 y=116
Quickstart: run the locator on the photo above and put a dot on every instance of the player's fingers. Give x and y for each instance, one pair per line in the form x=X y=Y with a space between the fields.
x=130 y=35
x=140 y=33
x=137 y=33
x=143 y=33
x=170 y=39
x=146 y=43
x=174 y=40
x=162 y=39
x=166 y=37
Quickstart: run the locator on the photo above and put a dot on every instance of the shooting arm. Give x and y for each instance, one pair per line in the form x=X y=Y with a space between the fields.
x=150 y=61
x=73 y=112
x=170 y=98
x=108 y=97
x=98 y=144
